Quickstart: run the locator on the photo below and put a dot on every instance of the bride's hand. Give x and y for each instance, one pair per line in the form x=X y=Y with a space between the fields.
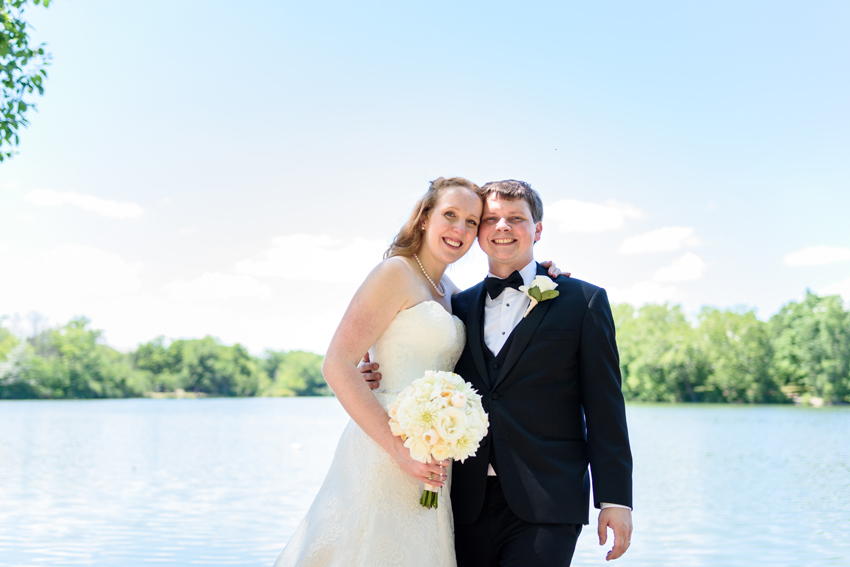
x=554 y=271
x=419 y=471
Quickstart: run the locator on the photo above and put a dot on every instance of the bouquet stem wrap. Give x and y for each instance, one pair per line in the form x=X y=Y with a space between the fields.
x=430 y=495
x=439 y=417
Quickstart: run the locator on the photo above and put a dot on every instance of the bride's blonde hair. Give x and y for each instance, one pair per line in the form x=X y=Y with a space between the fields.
x=408 y=241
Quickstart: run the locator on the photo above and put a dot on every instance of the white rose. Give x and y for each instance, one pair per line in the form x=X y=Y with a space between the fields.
x=431 y=436
x=393 y=409
x=419 y=449
x=441 y=451
x=459 y=400
x=544 y=283
x=406 y=412
x=473 y=419
x=396 y=429
x=451 y=424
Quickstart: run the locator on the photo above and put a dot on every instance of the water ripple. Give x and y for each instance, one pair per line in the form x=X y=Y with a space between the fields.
x=226 y=481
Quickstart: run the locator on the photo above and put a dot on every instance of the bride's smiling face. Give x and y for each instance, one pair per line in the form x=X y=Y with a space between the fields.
x=452 y=226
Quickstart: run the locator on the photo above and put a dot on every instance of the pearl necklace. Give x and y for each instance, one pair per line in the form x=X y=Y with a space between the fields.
x=441 y=293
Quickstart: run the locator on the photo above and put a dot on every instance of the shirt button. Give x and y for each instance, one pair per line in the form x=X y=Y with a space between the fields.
x=503 y=332
x=509 y=304
x=495 y=366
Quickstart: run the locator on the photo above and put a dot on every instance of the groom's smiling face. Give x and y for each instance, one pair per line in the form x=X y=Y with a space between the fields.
x=507 y=234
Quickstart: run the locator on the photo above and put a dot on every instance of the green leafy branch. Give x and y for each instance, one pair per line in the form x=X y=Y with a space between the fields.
x=22 y=72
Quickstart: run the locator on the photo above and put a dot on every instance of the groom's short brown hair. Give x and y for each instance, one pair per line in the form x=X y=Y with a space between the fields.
x=512 y=190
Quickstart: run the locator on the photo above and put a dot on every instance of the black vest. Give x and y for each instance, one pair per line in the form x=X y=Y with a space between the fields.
x=494 y=365
x=494 y=362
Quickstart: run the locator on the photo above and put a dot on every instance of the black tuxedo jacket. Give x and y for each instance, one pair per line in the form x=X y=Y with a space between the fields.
x=555 y=407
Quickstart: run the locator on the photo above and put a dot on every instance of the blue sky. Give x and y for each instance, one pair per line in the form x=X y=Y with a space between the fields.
x=200 y=168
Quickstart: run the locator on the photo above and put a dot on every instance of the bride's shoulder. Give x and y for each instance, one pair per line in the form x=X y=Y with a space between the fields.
x=395 y=270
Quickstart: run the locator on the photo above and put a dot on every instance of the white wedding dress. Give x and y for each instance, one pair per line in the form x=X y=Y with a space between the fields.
x=367 y=512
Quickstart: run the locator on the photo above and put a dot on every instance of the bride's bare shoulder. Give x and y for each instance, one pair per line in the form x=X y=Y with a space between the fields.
x=394 y=272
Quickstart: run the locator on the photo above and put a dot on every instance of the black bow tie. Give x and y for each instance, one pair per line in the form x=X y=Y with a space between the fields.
x=495 y=286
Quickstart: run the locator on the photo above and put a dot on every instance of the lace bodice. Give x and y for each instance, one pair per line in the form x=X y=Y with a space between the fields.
x=424 y=337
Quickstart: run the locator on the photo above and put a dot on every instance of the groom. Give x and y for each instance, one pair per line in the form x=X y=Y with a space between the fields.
x=550 y=382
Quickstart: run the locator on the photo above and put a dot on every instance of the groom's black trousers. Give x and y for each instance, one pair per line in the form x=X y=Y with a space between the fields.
x=498 y=538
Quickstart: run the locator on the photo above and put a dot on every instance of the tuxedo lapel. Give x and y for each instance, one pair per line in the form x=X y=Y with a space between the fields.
x=523 y=332
x=473 y=331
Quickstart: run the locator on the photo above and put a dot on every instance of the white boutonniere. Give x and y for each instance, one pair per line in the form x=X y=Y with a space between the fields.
x=541 y=289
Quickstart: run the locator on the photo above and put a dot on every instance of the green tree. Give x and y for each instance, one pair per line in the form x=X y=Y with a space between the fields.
x=8 y=341
x=22 y=71
x=202 y=366
x=249 y=377
x=16 y=382
x=158 y=364
x=811 y=342
x=272 y=360
x=736 y=347
x=71 y=362
x=299 y=374
x=659 y=359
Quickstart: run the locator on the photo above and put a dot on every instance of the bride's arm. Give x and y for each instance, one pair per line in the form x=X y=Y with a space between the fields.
x=385 y=292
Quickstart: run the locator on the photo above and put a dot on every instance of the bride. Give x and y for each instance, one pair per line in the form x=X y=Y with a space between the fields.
x=367 y=511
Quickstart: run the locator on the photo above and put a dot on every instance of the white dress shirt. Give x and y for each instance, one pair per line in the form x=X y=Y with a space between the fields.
x=504 y=313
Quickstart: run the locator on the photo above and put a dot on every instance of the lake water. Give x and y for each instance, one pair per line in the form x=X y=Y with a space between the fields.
x=225 y=482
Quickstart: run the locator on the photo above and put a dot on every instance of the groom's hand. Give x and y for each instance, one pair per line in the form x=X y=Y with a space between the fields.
x=619 y=520
x=369 y=370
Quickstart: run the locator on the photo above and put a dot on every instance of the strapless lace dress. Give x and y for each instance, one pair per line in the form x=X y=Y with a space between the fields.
x=367 y=512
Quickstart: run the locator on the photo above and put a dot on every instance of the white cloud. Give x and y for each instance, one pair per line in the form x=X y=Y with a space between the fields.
x=659 y=240
x=817 y=256
x=841 y=288
x=644 y=292
x=316 y=258
x=687 y=268
x=579 y=216
x=105 y=207
x=62 y=281
x=217 y=286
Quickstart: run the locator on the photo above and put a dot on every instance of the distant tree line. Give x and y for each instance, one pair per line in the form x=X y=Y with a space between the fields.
x=72 y=362
x=801 y=354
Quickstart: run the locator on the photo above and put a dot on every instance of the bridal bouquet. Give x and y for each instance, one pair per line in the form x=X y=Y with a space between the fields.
x=440 y=416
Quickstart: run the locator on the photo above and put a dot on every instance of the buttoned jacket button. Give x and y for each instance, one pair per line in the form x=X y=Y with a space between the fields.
x=494 y=396
x=495 y=366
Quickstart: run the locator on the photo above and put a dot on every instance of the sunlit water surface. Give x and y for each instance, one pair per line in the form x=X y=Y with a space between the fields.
x=225 y=482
